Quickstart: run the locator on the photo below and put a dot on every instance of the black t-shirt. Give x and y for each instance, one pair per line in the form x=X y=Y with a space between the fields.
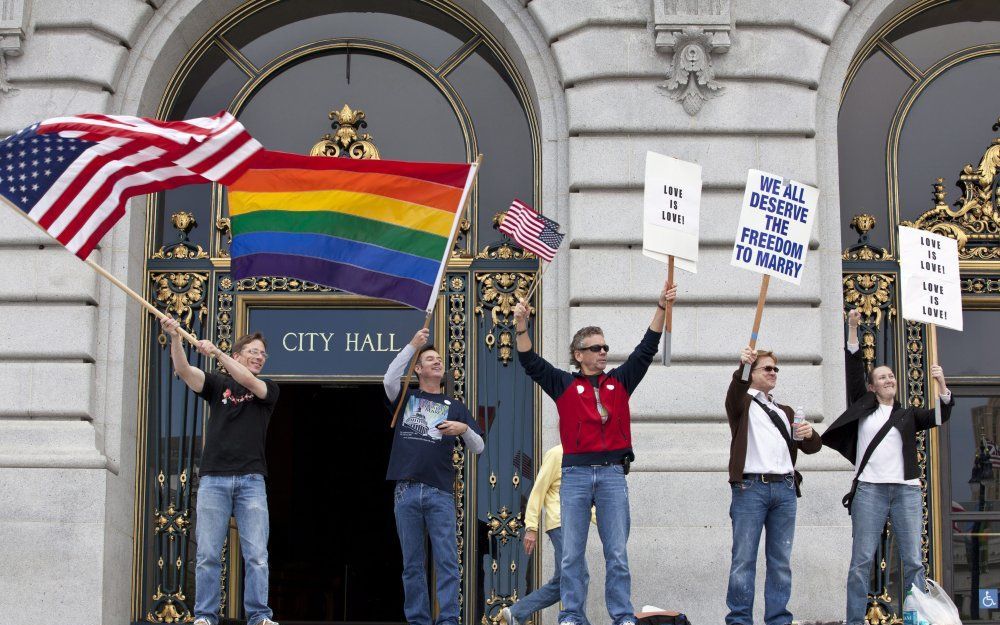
x=237 y=426
x=419 y=451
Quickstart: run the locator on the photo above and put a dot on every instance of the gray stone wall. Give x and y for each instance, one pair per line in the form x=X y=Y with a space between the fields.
x=68 y=369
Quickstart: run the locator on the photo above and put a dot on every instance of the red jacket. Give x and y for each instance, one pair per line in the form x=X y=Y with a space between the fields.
x=585 y=439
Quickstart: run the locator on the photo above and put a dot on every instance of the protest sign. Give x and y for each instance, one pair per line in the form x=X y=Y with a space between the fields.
x=775 y=224
x=670 y=210
x=929 y=278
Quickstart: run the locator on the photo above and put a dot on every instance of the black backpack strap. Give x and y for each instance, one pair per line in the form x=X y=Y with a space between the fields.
x=849 y=497
x=778 y=423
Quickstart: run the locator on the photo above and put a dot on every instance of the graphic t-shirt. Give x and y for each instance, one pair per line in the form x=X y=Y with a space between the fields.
x=237 y=426
x=419 y=451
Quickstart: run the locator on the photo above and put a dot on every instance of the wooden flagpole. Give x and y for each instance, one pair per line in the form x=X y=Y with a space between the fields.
x=764 y=280
x=114 y=280
x=668 y=317
x=538 y=281
x=430 y=314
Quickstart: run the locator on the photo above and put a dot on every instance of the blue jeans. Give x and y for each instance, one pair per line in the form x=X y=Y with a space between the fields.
x=873 y=505
x=770 y=506
x=220 y=497
x=606 y=488
x=543 y=596
x=423 y=510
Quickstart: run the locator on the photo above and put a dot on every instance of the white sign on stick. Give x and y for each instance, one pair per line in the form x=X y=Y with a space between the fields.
x=775 y=224
x=670 y=210
x=929 y=278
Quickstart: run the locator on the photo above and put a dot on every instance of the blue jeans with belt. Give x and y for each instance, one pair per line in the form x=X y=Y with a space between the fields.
x=873 y=505
x=422 y=510
x=220 y=497
x=605 y=488
x=757 y=506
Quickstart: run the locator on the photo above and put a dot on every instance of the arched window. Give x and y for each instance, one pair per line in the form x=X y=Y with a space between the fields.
x=919 y=142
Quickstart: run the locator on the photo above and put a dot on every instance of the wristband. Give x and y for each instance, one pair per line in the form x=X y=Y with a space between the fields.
x=520 y=332
x=660 y=307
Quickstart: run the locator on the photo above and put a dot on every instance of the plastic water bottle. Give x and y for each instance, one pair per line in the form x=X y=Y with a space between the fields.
x=909 y=609
x=800 y=417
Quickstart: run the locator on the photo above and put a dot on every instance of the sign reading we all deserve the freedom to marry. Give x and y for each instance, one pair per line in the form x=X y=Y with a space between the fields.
x=929 y=278
x=671 y=205
x=775 y=224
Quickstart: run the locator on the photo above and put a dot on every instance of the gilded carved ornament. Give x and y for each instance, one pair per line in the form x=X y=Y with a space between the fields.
x=180 y=294
x=975 y=219
x=863 y=223
x=499 y=292
x=183 y=249
x=346 y=140
x=505 y=250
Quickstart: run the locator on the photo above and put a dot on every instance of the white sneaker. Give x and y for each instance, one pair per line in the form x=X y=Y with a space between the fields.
x=201 y=621
x=267 y=621
x=506 y=618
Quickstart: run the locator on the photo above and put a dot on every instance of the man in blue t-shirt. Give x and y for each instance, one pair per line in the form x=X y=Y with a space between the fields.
x=421 y=466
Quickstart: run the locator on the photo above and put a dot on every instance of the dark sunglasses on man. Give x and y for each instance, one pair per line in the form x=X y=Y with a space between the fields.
x=596 y=349
x=767 y=368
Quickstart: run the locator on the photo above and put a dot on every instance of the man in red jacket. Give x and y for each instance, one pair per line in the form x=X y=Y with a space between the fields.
x=596 y=433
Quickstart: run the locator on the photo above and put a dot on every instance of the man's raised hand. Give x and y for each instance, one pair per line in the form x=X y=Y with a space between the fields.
x=748 y=356
x=420 y=338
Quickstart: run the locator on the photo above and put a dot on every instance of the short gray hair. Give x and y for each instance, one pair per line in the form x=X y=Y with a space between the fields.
x=577 y=342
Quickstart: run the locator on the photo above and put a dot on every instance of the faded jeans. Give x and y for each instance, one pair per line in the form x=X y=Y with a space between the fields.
x=422 y=510
x=220 y=497
x=770 y=507
x=873 y=505
x=603 y=487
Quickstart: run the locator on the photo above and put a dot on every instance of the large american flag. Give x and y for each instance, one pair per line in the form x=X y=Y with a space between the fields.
x=531 y=230
x=73 y=175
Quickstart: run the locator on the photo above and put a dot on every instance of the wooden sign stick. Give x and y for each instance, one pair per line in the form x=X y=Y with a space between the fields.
x=538 y=280
x=764 y=280
x=932 y=339
x=668 y=317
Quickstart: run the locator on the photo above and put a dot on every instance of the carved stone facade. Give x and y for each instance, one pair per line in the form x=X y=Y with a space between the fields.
x=693 y=30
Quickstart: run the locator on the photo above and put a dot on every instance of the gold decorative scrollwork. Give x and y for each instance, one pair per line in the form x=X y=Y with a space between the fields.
x=499 y=293
x=267 y=284
x=504 y=526
x=494 y=604
x=225 y=227
x=224 y=314
x=915 y=377
x=169 y=608
x=458 y=464
x=455 y=286
x=863 y=223
x=980 y=285
x=975 y=222
x=871 y=294
x=183 y=222
x=345 y=141
x=181 y=294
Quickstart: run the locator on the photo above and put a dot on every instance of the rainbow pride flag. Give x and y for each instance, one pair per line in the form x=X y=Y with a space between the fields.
x=369 y=227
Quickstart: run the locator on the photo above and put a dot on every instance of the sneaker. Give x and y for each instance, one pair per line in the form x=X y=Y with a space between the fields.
x=267 y=621
x=201 y=621
x=506 y=618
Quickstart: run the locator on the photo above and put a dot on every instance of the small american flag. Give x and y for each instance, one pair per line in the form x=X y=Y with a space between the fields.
x=531 y=230
x=994 y=452
x=73 y=175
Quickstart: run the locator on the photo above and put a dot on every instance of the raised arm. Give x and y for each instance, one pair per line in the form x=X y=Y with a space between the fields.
x=854 y=365
x=737 y=393
x=925 y=416
x=392 y=380
x=553 y=381
x=192 y=376
x=635 y=366
x=236 y=369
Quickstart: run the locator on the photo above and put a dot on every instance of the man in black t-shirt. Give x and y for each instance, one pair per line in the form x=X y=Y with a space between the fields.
x=233 y=468
x=421 y=465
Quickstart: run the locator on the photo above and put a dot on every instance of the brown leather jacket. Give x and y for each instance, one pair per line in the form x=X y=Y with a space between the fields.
x=738 y=412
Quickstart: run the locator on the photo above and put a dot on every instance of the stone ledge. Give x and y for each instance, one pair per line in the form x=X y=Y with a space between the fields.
x=120 y=19
x=69 y=56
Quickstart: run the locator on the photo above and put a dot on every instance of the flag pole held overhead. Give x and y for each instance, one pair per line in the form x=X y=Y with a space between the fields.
x=764 y=280
x=473 y=173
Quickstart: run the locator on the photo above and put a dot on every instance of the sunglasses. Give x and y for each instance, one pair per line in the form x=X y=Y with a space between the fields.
x=768 y=368
x=596 y=349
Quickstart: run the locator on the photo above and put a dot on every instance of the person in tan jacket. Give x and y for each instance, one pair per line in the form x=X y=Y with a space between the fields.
x=544 y=496
x=765 y=486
